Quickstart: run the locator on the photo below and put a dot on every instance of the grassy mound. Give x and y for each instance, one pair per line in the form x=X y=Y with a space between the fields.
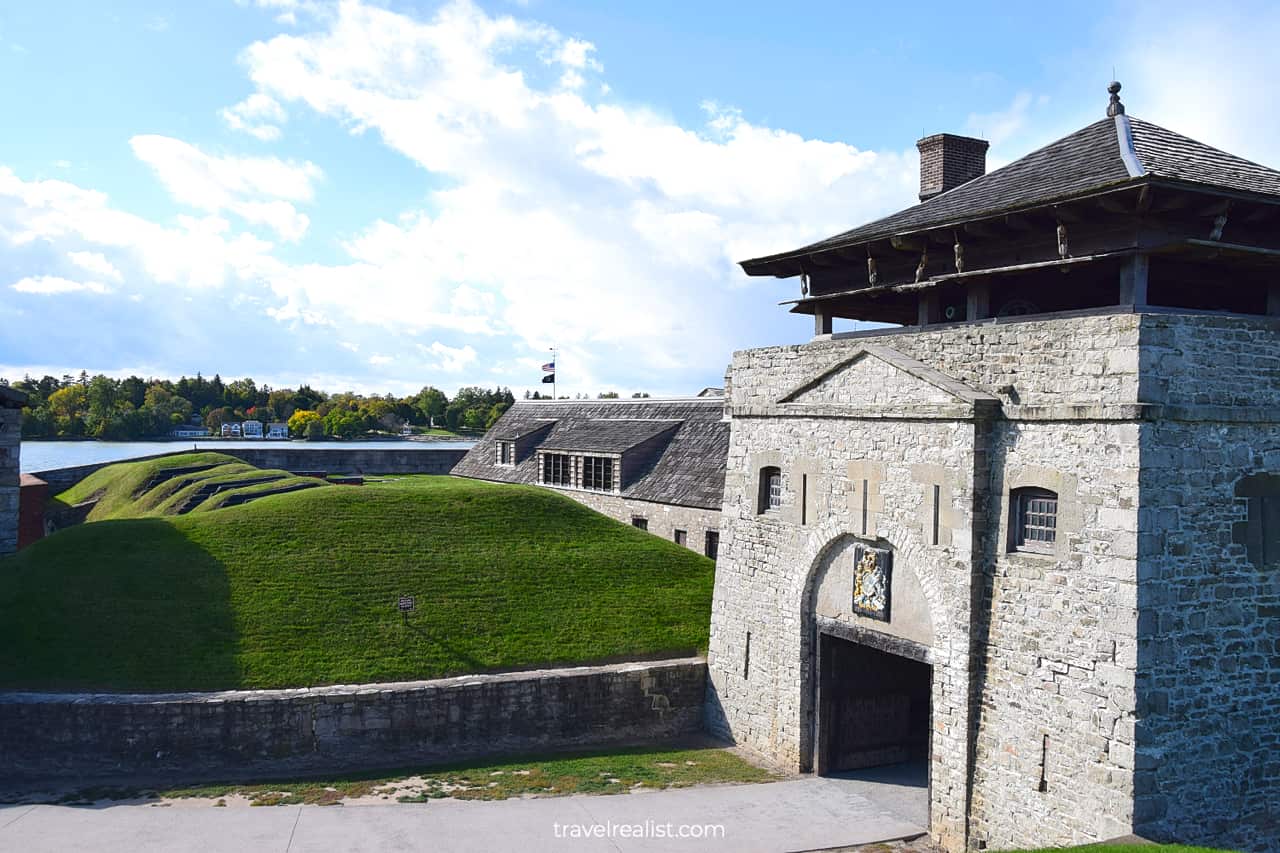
x=301 y=588
x=175 y=485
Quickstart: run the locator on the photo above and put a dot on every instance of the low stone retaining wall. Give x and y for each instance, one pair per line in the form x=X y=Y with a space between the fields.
x=331 y=459
x=45 y=735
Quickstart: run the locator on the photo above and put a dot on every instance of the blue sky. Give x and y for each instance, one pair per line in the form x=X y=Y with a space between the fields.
x=379 y=196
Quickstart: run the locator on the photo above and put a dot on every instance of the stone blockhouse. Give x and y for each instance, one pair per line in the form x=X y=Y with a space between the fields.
x=1029 y=537
x=657 y=464
x=11 y=403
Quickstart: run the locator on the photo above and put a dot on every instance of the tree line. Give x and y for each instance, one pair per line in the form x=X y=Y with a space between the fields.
x=122 y=409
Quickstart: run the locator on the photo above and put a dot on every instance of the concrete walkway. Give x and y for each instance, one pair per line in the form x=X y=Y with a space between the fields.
x=802 y=814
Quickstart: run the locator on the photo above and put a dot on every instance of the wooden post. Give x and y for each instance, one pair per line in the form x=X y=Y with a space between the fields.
x=927 y=311
x=1133 y=281
x=978 y=304
x=821 y=323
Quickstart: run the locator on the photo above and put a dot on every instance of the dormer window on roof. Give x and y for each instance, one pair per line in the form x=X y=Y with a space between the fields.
x=1120 y=213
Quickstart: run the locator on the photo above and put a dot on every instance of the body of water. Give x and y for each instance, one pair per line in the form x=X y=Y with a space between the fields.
x=47 y=455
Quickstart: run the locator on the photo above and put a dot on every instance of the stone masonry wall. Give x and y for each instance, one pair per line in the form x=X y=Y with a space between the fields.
x=1208 y=738
x=770 y=564
x=10 y=447
x=1058 y=633
x=327 y=728
x=1077 y=362
x=1055 y=654
x=1209 y=616
x=664 y=519
x=332 y=459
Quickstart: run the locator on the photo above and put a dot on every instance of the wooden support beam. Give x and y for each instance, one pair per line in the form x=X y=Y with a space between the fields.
x=1145 y=197
x=1133 y=280
x=1111 y=204
x=906 y=244
x=1018 y=222
x=821 y=323
x=978 y=301
x=984 y=230
x=927 y=308
x=1066 y=214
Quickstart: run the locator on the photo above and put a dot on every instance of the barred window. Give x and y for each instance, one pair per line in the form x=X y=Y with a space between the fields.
x=1035 y=519
x=597 y=473
x=682 y=537
x=712 y=546
x=557 y=469
x=770 y=489
x=506 y=453
x=640 y=522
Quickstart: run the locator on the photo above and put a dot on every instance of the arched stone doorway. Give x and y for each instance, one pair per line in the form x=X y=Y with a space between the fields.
x=868 y=670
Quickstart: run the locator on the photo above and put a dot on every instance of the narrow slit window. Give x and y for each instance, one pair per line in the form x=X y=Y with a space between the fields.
x=712 y=545
x=804 y=498
x=864 y=507
x=746 y=657
x=937 y=500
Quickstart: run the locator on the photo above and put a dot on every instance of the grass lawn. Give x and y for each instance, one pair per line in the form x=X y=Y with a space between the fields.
x=300 y=589
x=609 y=772
x=1125 y=848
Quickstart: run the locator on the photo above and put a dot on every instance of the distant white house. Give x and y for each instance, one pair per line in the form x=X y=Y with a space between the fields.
x=251 y=429
x=277 y=431
x=231 y=430
x=190 y=431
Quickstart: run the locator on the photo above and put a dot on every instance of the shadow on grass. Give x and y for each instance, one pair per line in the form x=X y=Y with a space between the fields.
x=131 y=604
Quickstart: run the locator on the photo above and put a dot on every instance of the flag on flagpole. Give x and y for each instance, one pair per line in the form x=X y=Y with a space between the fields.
x=548 y=379
x=549 y=367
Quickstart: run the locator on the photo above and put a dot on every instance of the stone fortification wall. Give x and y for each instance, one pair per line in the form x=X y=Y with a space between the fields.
x=325 y=728
x=331 y=459
x=1089 y=360
x=10 y=446
x=1208 y=735
x=663 y=519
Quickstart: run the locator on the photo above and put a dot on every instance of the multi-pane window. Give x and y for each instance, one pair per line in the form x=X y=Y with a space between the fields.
x=1035 y=520
x=639 y=522
x=597 y=473
x=712 y=546
x=557 y=469
x=1259 y=533
x=682 y=537
x=506 y=453
x=770 y=489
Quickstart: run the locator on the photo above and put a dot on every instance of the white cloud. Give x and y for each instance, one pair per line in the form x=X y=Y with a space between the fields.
x=1206 y=74
x=998 y=127
x=595 y=226
x=380 y=359
x=96 y=263
x=258 y=115
x=449 y=359
x=261 y=190
x=51 y=284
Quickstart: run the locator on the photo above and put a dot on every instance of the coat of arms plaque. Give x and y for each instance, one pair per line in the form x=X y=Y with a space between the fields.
x=871 y=568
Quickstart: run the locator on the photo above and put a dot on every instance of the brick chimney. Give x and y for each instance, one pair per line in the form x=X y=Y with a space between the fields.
x=947 y=161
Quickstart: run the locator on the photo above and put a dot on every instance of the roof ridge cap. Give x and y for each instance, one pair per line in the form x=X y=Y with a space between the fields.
x=1128 y=154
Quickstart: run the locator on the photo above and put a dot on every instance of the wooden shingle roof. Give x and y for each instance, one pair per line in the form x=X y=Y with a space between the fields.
x=687 y=471
x=607 y=435
x=1091 y=160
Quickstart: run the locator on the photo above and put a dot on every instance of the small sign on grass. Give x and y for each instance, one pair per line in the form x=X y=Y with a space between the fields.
x=406 y=605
